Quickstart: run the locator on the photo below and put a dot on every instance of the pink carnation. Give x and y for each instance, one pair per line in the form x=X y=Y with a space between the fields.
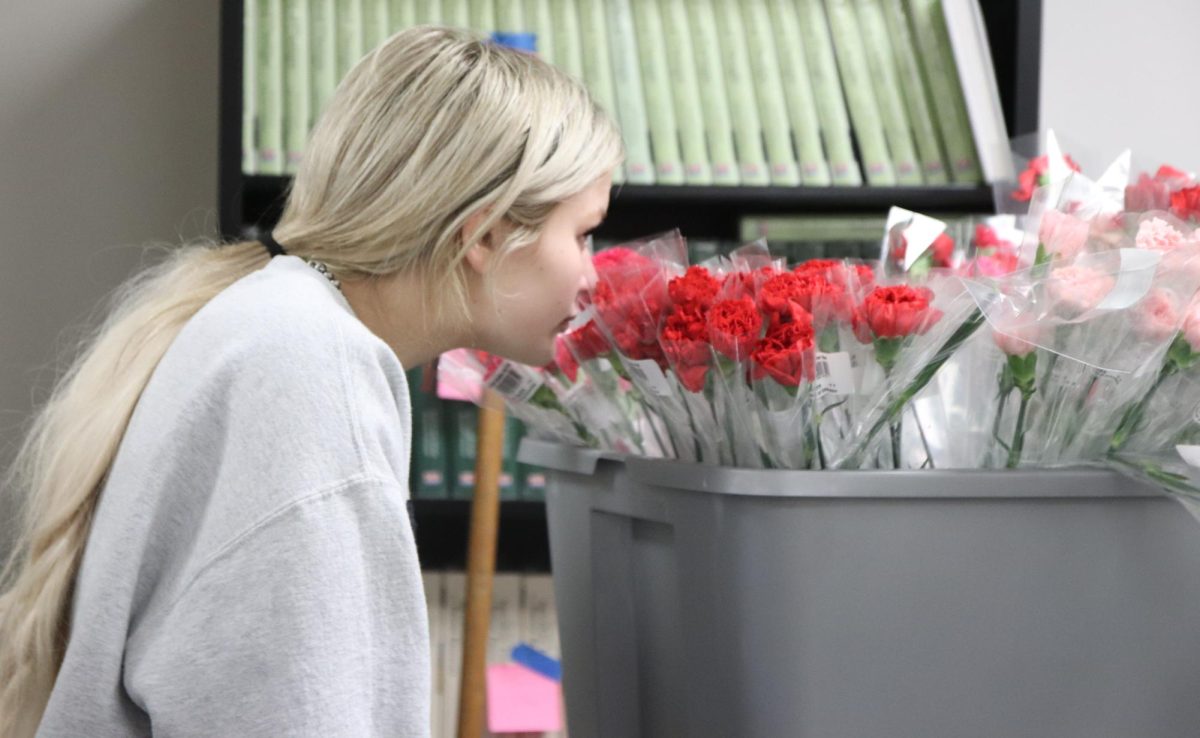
x=1156 y=317
x=1158 y=234
x=1063 y=234
x=1018 y=338
x=998 y=264
x=1191 y=325
x=1077 y=289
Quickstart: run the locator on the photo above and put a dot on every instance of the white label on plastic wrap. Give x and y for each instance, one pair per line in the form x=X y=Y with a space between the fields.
x=1190 y=454
x=834 y=374
x=514 y=382
x=650 y=376
x=1138 y=267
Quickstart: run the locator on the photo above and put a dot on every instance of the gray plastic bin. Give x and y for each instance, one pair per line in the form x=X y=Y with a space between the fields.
x=701 y=602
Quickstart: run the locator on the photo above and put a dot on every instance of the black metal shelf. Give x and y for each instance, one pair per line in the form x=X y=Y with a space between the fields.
x=700 y=212
x=443 y=528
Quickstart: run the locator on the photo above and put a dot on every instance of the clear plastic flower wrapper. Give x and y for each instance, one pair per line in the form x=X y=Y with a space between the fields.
x=686 y=342
x=803 y=369
x=631 y=302
x=584 y=350
x=529 y=394
x=911 y=331
x=994 y=246
x=913 y=244
x=1165 y=451
x=735 y=331
x=1157 y=438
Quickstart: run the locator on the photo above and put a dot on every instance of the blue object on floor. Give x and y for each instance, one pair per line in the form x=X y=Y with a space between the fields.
x=531 y=658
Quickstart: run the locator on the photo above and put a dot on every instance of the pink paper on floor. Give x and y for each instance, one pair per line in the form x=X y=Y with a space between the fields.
x=519 y=700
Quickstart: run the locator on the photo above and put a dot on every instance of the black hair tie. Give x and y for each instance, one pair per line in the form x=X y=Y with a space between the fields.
x=273 y=248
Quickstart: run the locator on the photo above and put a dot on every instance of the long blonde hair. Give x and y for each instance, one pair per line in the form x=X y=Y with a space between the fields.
x=431 y=127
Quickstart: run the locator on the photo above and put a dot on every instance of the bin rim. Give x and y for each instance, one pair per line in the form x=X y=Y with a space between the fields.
x=1066 y=482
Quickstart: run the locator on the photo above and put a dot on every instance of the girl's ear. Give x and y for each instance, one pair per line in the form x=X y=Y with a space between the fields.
x=481 y=255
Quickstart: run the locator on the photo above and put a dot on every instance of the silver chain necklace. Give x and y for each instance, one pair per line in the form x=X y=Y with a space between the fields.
x=324 y=270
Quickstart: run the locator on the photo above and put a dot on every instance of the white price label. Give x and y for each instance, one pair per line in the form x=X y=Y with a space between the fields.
x=834 y=373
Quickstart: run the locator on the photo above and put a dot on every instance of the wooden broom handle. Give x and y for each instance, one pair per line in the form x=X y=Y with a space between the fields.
x=481 y=566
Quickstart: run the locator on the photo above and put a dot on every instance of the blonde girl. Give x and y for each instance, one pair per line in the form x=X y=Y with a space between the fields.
x=216 y=539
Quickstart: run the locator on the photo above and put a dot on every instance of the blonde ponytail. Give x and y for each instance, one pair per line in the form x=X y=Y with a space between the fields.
x=63 y=461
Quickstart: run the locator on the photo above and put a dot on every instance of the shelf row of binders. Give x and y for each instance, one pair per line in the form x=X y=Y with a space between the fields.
x=706 y=92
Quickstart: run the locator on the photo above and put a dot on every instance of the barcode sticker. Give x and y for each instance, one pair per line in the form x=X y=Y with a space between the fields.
x=514 y=381
x=834 y=373
x=650 y=376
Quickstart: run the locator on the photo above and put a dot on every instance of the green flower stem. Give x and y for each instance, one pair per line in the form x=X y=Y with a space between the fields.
x=1179 y=357
x=1177 y=483
x=894 y=429
x=964 y=331
x=1006 y=387
x=1024 y=374
x=1041 y=262
x=1018 y=442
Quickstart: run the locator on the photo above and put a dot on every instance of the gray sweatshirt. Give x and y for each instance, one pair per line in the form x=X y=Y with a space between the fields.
x=251 y=569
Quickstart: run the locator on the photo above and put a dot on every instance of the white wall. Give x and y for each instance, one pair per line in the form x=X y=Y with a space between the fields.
x=108 y=141
x=1119 y=75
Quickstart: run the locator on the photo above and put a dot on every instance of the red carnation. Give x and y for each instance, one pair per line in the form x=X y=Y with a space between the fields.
x=985 y=236
x=734 y=326
x=620 y=257
x=1186 y=203
x=943 y=251
x=821 y=266
x=808 y=290
x=864 y=276
x=630 y=299
x=1168 y=172
x=1034 y=176
x=586 y=341
x=688 y=322
x=696 y=286
x=564 y=359
x=685 y=344
x=785 y=354
x=895 y=312
x=736 y=285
